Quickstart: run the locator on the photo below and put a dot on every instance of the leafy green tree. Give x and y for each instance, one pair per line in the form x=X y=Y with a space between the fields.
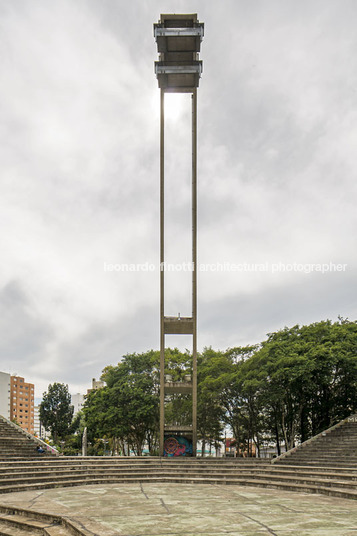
x=210 y=411
x=178 y=407
x=232 y=396
x=127 y=409
x=56 y=411
x=293 y=385
x=305 y=379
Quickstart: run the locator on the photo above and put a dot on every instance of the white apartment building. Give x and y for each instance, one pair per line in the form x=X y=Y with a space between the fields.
x=5 y=394
x=77 y=402
x=39 y=428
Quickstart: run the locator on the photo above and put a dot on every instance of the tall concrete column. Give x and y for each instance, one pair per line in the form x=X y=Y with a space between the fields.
x=162 y=273
x=178 y=70
x=194 y=273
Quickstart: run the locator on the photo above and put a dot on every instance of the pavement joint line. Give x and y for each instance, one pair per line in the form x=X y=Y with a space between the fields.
x=258 y=523
x=35 y=499
x=142 y=491
x=164 y=505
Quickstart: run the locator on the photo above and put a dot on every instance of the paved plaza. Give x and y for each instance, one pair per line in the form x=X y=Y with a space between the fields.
x=190 y=510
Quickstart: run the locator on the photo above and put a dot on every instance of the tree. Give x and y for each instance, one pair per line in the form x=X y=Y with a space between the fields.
x=56 y=412
x=233 y=396
x=295 y=384
x=305 y=378
x=127 y=409
x=210 y=412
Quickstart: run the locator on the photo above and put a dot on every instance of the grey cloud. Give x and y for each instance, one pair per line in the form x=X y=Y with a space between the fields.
x=23 y=334
x=80 y=175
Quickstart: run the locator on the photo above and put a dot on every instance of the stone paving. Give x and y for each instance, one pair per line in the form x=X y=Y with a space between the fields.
x=191 y=510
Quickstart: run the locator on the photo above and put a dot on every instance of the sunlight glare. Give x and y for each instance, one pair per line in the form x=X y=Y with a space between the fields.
x=174 y=105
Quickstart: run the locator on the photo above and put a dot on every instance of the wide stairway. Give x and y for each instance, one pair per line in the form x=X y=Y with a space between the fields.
x=15 y=442
x=336 y=447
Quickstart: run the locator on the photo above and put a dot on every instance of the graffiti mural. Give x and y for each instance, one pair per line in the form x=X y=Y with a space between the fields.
x=177 y=446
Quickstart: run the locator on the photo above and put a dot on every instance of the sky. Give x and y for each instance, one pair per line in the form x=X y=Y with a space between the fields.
x=79 y=179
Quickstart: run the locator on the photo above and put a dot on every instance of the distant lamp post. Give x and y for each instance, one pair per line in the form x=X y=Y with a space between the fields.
x=178 y=70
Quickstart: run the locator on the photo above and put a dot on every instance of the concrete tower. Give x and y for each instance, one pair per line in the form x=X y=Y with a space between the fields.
x=178 y=70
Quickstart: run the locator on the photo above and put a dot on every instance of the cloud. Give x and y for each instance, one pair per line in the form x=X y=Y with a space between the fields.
x=79 y=152
x=24 y=335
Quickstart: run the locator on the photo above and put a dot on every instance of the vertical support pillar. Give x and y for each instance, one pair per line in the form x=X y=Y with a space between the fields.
x=194 y=272
x=175 y=43
x=162 y=272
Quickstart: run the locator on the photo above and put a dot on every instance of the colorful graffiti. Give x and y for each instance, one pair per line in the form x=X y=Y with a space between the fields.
x=177 y=446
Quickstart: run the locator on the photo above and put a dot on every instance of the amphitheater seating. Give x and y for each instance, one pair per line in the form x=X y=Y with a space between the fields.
x=326 y=464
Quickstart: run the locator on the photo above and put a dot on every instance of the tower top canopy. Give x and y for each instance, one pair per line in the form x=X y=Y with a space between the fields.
x=178 y=38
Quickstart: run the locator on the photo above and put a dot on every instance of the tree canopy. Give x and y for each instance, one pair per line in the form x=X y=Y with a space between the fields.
x=293 y=385
x=56 y=412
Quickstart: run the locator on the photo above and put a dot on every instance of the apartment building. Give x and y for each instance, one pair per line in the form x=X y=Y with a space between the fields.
x=40 y=430
x=77 y=402
x=5 y=394
x=96 y=384
x=22 y=403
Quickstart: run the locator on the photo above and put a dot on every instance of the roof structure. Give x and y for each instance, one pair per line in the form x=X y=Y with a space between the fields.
x=178 y=39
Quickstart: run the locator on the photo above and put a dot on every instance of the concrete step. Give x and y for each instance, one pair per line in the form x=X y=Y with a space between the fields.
x=271 y=477
x=323 y=458
x=315 y=463
x=113 y=462
x=334 y=490
x=39 y=474
x=16 y=521
x=12 y=531
x=26 y=525
x=41 y=466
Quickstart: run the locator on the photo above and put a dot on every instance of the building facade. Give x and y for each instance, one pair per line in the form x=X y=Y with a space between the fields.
x=77 y=402
x=96 y=384
x=40 y=430
x=5 y=395
x=22 y=403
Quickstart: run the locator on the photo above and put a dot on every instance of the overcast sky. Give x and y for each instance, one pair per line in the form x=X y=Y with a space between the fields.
x=79 y=150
